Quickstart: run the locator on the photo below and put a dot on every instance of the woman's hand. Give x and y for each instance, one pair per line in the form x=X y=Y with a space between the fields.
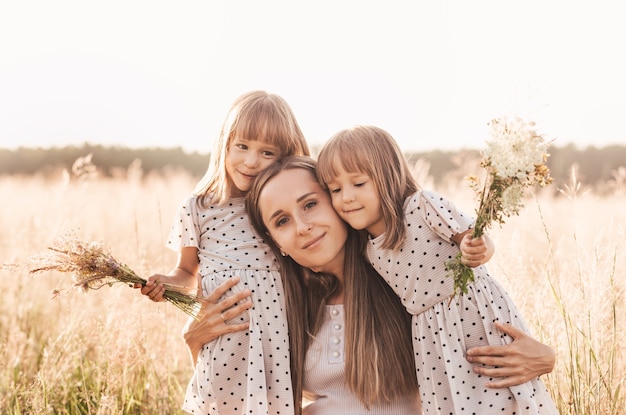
x=522 y=360
x=211 y=322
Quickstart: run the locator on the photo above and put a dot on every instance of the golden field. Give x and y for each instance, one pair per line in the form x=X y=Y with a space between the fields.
x=112 y=351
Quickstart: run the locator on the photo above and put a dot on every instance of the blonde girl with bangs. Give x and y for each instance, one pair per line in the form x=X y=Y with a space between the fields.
x=255 y=114
x=411 y=234
x=360 y=150
x=243 y=372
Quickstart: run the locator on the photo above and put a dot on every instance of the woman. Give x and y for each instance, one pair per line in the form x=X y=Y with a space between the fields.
x=323 y=271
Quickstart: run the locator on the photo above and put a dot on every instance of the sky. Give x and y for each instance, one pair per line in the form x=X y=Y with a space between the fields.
x=149 y=73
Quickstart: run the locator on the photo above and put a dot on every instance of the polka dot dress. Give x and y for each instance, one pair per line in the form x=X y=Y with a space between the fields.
x=443 y=331
x=244 y=372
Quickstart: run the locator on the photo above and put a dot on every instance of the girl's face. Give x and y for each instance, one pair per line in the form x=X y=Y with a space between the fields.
x=245 y=159
x=300 y=219
x=356 y=200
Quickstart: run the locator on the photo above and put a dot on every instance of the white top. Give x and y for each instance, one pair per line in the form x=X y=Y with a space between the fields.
x=245 y=372
x=443 y=331
x=325 y=375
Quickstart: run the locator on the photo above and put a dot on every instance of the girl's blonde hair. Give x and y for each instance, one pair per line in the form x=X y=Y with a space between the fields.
x=379 y=367
x=373 y=151
x=255 y=115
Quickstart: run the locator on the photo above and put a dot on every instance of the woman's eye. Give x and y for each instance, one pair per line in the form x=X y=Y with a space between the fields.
x=281 y=221
x=309 y=205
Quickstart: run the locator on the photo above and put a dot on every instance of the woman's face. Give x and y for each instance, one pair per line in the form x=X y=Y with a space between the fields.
x=301 y=220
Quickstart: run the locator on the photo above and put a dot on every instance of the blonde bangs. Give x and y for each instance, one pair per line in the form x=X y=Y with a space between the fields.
x=343 y=151
x=372 y=151
x=271 y=123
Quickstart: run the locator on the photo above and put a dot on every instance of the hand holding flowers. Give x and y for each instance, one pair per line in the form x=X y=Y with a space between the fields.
x=92 y=267
x=515 y=159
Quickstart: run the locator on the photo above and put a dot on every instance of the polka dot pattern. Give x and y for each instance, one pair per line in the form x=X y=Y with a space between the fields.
x=243 y=372
x=443 y=331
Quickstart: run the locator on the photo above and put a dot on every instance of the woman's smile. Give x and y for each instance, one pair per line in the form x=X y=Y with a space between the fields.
x=301 y=220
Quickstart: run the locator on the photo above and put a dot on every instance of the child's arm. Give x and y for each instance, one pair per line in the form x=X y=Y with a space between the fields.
x=211 y=319
x=474 y=251
x=518 y=362
x=184 y=275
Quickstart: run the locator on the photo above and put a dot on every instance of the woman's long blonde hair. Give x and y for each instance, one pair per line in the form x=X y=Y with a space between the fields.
x=255 y=115
x=373 y=151
x=380 y=366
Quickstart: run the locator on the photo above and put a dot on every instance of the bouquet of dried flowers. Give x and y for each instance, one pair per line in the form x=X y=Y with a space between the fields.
x=515 y=159
x=92 y=267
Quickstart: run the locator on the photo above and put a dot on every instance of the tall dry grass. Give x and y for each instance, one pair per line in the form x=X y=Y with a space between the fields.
x=114 y=352
x=109 y=351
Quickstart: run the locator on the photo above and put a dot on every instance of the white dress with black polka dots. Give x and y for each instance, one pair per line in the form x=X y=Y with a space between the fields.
x=443 y=331
x=245 y=372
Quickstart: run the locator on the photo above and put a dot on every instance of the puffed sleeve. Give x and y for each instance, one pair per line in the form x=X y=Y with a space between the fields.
x=439 y=213
x=185 y=230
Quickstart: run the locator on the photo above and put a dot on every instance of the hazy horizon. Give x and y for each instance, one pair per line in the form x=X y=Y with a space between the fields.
x=433 y=74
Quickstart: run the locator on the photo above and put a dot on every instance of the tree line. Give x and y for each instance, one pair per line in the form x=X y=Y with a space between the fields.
x=595 y=167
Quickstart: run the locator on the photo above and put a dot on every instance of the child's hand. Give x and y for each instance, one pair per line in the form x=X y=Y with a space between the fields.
x=153 y=288
x=474 y=251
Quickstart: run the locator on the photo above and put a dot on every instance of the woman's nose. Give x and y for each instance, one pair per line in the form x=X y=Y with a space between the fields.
x=303 y=226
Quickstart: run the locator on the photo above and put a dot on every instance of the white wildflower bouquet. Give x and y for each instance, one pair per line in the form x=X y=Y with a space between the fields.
x=92 y=267
x=515 y=159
